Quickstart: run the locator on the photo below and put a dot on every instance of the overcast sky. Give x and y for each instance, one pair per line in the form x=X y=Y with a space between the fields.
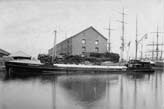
x=28 y=25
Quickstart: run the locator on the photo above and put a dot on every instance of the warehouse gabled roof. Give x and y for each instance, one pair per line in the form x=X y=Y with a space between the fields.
x=88 y=29
x=4 y=52
x=84 y=31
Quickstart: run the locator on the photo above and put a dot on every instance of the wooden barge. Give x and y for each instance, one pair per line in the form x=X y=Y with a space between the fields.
x=28 y=67
x=35 y=68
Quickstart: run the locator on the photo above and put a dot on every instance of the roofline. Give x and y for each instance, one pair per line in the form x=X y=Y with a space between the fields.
x=99 y=33
x=4 y=52
x=82 y=32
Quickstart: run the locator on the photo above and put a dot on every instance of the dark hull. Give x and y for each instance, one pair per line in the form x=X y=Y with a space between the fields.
x=38 y=69
x=158 y=66
x=140 y=70
x=138 y=66
x=24 y=66
x=14 y=68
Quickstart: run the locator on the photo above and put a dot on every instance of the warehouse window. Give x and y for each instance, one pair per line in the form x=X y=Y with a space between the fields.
x=97 y=42
x=84 y=49
x=97 y=49
x=83 y=41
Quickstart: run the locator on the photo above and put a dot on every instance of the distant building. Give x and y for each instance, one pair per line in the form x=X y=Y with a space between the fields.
x=3 y=53
x=88 y=40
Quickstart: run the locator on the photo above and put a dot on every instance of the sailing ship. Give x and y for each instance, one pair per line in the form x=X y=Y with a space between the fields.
x=139 y=66
x=157 y=52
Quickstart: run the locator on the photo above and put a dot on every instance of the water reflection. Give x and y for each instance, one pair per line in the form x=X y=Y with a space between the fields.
x=87 y=89
x=107 y=91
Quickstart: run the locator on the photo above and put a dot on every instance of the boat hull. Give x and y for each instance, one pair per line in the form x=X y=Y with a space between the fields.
x=139 y=66
x=158 y=66
x=140 y=70
x=37 y=69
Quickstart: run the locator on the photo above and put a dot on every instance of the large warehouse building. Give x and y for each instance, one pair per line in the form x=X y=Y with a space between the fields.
x=88 y=40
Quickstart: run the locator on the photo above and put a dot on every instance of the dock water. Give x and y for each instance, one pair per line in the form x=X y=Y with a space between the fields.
x=88 y=91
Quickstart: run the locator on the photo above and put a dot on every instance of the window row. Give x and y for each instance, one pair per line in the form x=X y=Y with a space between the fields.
x=84 y=41
x=84 y=49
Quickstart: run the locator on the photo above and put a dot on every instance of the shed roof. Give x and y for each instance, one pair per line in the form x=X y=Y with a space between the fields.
x=4 y=52
x=20 y=54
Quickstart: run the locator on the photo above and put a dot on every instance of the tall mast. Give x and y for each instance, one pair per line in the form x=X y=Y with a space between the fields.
x=162 y=50
x=54 y=47
x=109 y=42
x=109 y=37
x=123 y=29
x=153 y=52
x=142 y=50
x=123 y=35
x=157 y=43
x=157 y=48
x=136 y=38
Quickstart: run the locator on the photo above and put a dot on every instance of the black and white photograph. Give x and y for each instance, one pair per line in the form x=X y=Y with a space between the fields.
x=81 y=54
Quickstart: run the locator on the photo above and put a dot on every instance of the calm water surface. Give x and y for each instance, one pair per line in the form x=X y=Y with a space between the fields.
x=107 y=91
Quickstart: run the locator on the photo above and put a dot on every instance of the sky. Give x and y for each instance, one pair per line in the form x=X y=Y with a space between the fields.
x=29 y=25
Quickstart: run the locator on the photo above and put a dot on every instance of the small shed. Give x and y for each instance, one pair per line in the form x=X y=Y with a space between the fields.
x=3 y=53
x=20 y=55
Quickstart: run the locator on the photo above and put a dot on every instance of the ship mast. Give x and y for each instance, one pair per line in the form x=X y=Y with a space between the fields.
x=157 y=51
x=54 y=47
x=109 y=36
x=157 y=47
x=136 y=38
x=153 y=52
x=162 y=50
x=109 y=41
x=123 y=35
x=157 y=43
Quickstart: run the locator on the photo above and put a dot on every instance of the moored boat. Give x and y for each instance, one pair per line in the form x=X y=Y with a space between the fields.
x=139 y=66
x=29 y=67
x=158 y=65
